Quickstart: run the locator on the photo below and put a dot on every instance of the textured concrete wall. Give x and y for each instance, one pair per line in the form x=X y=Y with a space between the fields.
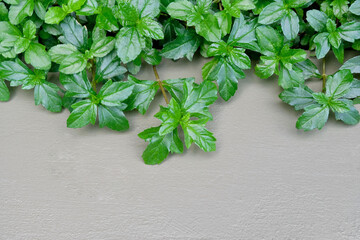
x=267 y=180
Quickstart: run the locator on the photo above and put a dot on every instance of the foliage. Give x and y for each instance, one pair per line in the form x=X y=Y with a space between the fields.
x=97 y=46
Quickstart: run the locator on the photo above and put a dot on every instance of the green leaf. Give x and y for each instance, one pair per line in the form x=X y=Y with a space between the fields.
x=340 y=106
x=21 y=45
x=290 y=25
x=298 y=3
x=180 y=9
x=334 y=39
x=106 y=20
x=29 y=30
x=114 y=93
x=150 y=28
x=197 y=133
x=272 y=13
x=351 y=117
x=113 y=118
x=317 y=20
x=75 y=5
x=102 y=47
x=355 y=7
x=322 y=45
x=338 y=85
x=339 y=53
x=289 y=78
x=143 y=94
x=267 y=67
x=354 y=89
x=129 y=44
x=292 y=56
x=18 y=13
x=170 y=117
x=176 y=87
x=47 y=95
x=128 y=13
x=160 y=146
x=184 y=45
x=147 y=8
x=197 y=99
x=84 y=112
x=209 y=28
x=15 y=71
x=37 y=56
x=77 y=85
x=243 y=32
x=4 y=91
x=73 y=63
x=270 y=41
x=340 y=7
x=91 y=7
x=108 y=67
x=226 y=77
x=308 y=69
x=352 y=64
x=350 y=31
x=73 y=33
x=9 y=35
x=298 y=97
x=315 y=116
x=55 y=15
x=59 y=52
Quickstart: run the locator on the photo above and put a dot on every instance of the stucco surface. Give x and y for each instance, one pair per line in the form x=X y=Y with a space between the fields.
x=266 y=180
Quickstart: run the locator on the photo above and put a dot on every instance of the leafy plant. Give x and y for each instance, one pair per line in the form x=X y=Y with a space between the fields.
x=97 y=46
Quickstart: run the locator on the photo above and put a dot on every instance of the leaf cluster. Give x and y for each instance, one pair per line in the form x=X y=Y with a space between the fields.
x=98 y=46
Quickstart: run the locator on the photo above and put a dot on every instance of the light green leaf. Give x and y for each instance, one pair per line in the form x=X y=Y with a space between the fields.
x=352 y=64
x=355 y=7
x=270 y=41
x=129 y=44
x=84 y=112
x=351 y=117
x=106 y=20
x=290 y=25
x=47 y=95
x=102 y=47
x=298 y=97
x=338 y=85
x=4 y=91
x=315 y=116
x=322 y=45
x=267 y=67
x=77 y=85
x=317 y=20
x=29 y=30
x=55 y=15
x=37 y=56
x=272 y=13
x=340 y=7
x=143 y=94
x=113 y=118
x=73 y=63
x=180 y=9
x=350 y=31
x=108 y=67
x=198 y=134
x=73 y=33
x=59 y=52
x=150 y=28
x=184 y=45
x=114 y=93
x=18 y=13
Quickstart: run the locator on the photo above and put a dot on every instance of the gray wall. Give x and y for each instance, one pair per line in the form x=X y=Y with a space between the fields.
x=267 y=180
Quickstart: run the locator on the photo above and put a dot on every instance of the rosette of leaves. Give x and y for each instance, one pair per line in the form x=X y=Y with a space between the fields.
x=189 y=110
x=330 y=35
x=94 y=44
x=341 y=89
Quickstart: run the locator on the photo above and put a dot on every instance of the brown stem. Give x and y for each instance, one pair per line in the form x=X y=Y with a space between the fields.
x=220 y=6
x=160 y=84
x=324 y=75
x=93 y=81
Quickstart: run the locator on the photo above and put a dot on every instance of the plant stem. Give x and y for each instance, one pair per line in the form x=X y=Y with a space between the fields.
x=160 y=84
x=220 y=6
x=93 y=81
x=324 y=75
